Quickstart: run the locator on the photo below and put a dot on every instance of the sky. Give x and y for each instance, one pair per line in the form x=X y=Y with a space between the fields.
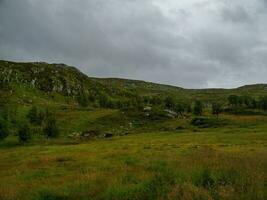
x=187 y=43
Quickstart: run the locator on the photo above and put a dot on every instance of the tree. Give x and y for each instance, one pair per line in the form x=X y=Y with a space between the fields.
x=247 y=100
x=198 y=108
x=103 y=100
x=179 y=108
x=33 y=115
x=3 y=129
x=263 y=103
x=83 y=100
x=155 y=100
x=169 y=102
x=188 y=107
x=24 y=133
x=51 y=130
x=216 y=109
x=234 y=100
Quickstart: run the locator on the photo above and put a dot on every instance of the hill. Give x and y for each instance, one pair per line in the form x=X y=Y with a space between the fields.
x=64 y=135
x=68 y=83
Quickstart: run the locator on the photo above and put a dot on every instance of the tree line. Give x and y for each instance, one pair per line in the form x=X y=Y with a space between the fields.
x=35 y=118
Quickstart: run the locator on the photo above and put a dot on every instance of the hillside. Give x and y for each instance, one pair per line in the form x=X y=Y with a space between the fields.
x=66 y=81
x=64 y=135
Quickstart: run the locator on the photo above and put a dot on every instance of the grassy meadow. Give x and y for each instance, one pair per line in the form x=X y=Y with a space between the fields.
x=180 y=162
x=66 y=136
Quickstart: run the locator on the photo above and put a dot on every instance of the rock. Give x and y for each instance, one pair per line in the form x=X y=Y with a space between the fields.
x=147 y=108
x=89 y=134
x=75 y=135
x=170 y=113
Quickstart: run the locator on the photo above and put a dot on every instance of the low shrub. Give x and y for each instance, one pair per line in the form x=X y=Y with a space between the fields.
x=204 y=122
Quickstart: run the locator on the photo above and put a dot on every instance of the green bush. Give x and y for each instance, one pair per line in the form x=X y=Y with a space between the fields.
x=204 y=122
x=33 y=115
x=24 y=133
x=4 y=132
x=198 y=108
x=51 y=130
x=217 y=109
x=83 y=100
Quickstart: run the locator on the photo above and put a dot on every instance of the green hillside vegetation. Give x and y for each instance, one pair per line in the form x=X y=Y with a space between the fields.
x=64 y=135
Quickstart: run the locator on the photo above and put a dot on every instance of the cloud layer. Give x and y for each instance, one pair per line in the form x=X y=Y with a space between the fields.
x=188 y=43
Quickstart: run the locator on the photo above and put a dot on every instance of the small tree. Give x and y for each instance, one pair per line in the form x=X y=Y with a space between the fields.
x=33 y=115
x=263 y=103
x=179 y=108
x=188 y=107
x=83 y=100
x=24 y=133
x=40 y=117
x=155 y=100
x=169 y=102
x=3 y=129
x=234 y=100
x=216 y=109
x=51 y=130
x=198 y=108
x=103 y=100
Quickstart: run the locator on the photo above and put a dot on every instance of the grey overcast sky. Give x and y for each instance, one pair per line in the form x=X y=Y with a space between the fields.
x=188 y=43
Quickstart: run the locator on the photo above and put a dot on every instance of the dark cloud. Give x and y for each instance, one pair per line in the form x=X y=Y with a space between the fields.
x=236 y=14
x=187 y=43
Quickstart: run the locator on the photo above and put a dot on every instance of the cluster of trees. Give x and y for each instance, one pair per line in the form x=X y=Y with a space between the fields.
x=44 y=120
x=195 y=108
x=103 y=100
x=244 y=101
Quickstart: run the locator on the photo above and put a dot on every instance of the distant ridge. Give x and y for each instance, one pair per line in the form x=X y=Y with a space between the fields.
x=70 y=82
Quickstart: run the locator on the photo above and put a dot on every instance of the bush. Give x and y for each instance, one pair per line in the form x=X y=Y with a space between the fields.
x=198 y=108
x=24 y=133
x=217 y=109
x=33 y=115
x=203 y=122
x=83 y=100
x=169 y=102
x=179 y=108
x=51 y=129
x=3 y=129
x=157 y=114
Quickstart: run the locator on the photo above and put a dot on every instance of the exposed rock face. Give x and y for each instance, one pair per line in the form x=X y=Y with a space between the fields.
x=57 y=78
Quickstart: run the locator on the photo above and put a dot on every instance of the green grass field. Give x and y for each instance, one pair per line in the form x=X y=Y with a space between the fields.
x=228 y=162
x=148 y=156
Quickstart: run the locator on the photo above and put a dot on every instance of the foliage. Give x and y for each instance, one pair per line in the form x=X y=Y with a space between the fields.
x=205 y=122
x=51 y=130
x=180 y=108
x=234 y=100
x=35 y=116
x=83 y=100
x=24 y=133
x=263 y=103
x=198 y=108
x=217 y=108
x=169 y=102
x=4 y=132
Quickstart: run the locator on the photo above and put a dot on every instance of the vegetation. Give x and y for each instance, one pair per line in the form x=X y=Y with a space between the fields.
x=198 y=108
x=217 y=109
x=3 y=129
x=51 y=129
x=124 y=139
x=24 y=133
